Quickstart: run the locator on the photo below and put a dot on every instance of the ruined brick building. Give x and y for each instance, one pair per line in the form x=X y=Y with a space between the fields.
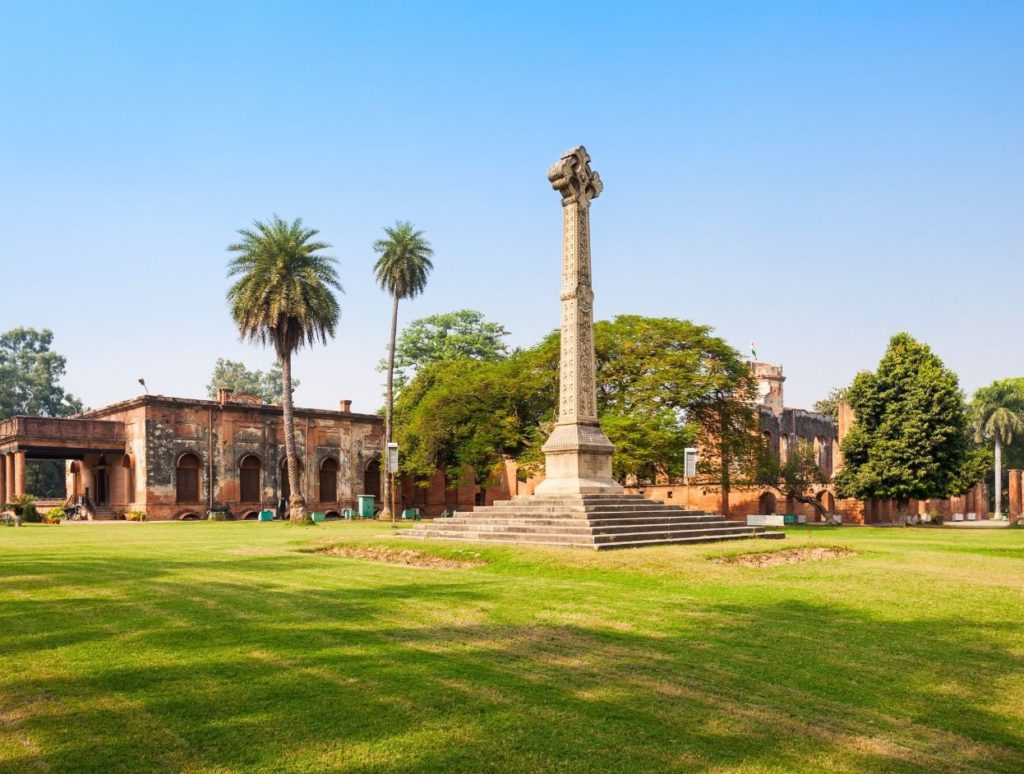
x=176 y=457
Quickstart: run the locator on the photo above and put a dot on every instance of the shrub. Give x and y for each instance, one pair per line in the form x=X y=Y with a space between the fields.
x=937 y=518
x=24 y=506
x=135 y=515
x=54 y=515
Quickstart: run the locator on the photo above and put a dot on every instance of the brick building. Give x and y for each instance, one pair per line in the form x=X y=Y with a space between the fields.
x=176 y=457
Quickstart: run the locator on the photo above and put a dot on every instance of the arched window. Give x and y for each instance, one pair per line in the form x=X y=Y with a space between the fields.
x=371 y=479
x=249 y=470
x=187 y=479
x=329 y=480
x=821 y=454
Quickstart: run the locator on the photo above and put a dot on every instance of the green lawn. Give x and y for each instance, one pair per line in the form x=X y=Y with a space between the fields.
x=225 y=647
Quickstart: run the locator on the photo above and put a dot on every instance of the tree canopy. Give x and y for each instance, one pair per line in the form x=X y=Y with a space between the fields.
x=458 y=335
x=284 y=297
x=829 y=405
x=661 y=385
x=910 y=437
x=30 y=375
x=233 y=375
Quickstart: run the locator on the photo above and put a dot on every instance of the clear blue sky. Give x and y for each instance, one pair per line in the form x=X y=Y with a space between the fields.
x=814 y=176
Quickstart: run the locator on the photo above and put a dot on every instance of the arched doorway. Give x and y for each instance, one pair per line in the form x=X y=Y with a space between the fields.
x=371 y=479
x=187 y=479
x=827 y=500
x=329 y=480
x=766 y=504
x=249 y=470
x=101 y=496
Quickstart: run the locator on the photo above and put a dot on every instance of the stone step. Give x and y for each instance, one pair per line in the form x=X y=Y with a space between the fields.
x=578 y=500
x=590 y=523
x=562 y=529
x=581 y=524
x=627 y=539
x=584 y=508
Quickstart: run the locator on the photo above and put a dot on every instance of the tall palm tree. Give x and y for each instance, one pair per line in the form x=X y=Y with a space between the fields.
x=401 y=270
x=997 y=413
x=284 y=297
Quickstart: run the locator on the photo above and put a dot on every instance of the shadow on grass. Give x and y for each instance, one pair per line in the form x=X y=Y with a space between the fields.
x=352 y=672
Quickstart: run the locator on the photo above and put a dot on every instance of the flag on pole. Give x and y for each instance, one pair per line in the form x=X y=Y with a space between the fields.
x=753 y=351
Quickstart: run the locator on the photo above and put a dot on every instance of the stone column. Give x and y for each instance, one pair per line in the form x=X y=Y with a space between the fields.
x=1016 y=494
x=19 y=473
x=3 y=479
x=578 y=455
x=9 y=466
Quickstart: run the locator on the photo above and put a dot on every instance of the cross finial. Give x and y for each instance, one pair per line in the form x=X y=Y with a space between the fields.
x=572 y=176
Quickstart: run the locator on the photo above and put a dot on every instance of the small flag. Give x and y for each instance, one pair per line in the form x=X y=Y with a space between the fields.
x=753 y=351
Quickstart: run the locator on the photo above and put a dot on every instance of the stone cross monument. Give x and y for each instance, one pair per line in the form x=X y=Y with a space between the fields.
x=578 y=455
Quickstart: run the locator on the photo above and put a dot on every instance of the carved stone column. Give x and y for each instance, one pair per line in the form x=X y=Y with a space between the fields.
x=578 y=455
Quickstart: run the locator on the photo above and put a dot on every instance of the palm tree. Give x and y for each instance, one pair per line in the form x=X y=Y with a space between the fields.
x=997 y=412
x=401 y=270
x=284 y=297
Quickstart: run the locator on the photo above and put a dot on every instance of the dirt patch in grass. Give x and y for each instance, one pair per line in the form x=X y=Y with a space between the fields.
x=786 y=556
x=404 y=556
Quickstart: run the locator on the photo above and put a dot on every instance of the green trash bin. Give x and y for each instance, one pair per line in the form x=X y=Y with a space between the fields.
x=266 y=516
x=790 y=518
x=366 y=506
x=318 y=515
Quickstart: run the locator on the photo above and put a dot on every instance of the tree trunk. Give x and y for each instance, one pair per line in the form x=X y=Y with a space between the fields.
x=998 y=488
x=298 y=512
x=811 y=501
x=389 y=411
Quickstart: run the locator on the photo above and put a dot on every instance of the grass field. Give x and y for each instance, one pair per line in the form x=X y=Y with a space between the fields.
x=226 y=647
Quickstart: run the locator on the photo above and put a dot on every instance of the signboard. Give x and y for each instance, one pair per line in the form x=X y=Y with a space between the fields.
x=690 y=462
x=392 y=457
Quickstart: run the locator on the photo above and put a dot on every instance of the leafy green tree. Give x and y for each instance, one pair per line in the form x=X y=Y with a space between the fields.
x=30 y=375
x=658 y=381
x=450 y=336
x=284 y=298
x=401 y=269
x=997 y=415
x=829 y=405
x=910 y=437
x=469 y=414
x=795 y=478
x=233 y=375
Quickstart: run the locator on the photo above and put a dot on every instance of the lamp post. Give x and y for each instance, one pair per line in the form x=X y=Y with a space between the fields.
x=392 y=469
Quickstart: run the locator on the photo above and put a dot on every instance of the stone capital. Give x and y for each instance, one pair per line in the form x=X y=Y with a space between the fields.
x=572 y=177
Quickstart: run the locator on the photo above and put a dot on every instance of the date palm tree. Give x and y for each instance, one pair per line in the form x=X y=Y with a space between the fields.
x=284 y=298
x=401 y=270
x=997 y=413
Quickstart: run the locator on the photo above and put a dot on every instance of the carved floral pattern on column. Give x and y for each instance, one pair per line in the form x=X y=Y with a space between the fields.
x=578 y=184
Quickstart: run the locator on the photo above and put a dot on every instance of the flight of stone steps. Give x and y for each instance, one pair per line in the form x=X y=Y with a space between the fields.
x=585 y=521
